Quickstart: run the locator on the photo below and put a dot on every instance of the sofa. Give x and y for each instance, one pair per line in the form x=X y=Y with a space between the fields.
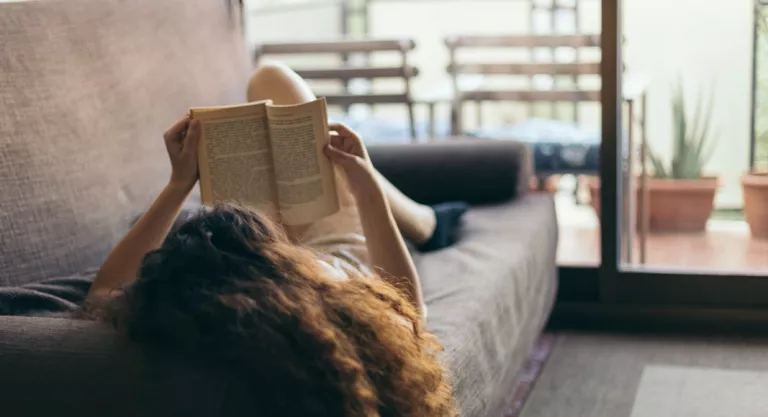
x=86 y=89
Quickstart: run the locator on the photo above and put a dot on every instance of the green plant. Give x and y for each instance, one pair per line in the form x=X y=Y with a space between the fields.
x=693 y=142
x=761 y=81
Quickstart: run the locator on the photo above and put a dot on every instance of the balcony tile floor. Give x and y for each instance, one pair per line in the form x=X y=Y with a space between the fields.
x=725 y=246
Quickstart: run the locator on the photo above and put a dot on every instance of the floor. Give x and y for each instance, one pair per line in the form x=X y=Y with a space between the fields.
x=635 y=376
x=725 y=246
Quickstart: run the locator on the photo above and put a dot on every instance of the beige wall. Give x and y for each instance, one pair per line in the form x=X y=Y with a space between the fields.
x=704 y=41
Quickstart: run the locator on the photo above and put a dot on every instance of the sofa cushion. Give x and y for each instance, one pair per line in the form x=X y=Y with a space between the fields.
x=490 y=295
x=85 y=95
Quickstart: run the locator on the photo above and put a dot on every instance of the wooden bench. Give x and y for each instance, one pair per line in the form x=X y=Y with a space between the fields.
x=457 y=68
x=348 y=71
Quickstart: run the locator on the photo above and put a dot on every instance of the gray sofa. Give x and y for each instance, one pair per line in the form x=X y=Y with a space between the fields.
x=86 y=89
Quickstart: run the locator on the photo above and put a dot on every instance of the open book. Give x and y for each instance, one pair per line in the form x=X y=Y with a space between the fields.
x=269 y=158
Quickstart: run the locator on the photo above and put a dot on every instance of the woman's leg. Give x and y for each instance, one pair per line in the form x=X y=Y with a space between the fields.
x=277 y=82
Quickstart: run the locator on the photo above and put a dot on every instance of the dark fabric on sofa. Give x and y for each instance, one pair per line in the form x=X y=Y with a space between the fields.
x=52 y=297
x=87 y=88
x=478 y=172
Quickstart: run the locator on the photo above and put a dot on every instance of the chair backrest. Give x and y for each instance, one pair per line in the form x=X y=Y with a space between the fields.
x=458 y=68
x=346 y=71
x=87 y=88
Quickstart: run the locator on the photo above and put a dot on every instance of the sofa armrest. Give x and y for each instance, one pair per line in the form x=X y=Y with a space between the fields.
x=65 y=367
x=472 y=170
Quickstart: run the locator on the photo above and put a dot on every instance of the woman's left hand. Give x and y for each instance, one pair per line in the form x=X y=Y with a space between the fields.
x=181 y=142
x=347 y=150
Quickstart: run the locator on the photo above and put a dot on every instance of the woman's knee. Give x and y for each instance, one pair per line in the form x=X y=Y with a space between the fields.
x=277 y=82
x=270 y=72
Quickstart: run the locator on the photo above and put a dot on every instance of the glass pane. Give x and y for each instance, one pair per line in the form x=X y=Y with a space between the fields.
x=761 y=86
x=687 y=203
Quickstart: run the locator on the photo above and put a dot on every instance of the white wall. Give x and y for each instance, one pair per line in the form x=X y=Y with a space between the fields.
x=705 y=42
x=271 y=20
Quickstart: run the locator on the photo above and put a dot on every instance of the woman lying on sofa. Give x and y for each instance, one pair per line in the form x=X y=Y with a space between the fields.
x=295 y=314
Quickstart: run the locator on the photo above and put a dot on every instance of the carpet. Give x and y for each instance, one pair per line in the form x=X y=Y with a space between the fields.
x=643 y=376
x=530 y=373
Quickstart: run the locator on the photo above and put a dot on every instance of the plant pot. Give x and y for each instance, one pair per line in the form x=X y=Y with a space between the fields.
x=677 y=205
x=674 y=205
x=593 y=183
x=755 y=186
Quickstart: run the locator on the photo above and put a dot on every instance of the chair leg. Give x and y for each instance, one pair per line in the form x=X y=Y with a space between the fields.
x=432 y=132
x=412 y=119
x=456 y=119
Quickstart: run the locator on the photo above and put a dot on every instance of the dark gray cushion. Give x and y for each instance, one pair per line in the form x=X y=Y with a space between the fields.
x=475 y=171
x=52 y=297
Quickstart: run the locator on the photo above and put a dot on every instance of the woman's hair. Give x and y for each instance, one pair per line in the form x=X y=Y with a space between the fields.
x=229 y=288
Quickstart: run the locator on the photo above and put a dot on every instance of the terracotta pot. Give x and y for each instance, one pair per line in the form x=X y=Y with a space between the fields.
x=755 y=186
x=674 y=205
x=593 y=183
x=681 y=205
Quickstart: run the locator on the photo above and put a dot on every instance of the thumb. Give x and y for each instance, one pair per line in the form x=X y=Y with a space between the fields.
x=337 y=156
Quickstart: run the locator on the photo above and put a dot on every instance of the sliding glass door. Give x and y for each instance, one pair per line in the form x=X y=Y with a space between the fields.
x=682 y=216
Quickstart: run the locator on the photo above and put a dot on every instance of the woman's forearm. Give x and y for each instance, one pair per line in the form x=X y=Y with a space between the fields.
x=122 y=264
x=386 y=246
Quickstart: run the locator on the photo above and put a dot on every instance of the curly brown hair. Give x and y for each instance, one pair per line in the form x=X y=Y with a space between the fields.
x=228 y=286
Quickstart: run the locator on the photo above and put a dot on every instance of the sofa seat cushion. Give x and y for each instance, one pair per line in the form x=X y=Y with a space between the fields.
x=490 y=295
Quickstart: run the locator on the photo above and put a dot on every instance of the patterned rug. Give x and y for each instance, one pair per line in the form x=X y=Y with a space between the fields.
x=531 y=372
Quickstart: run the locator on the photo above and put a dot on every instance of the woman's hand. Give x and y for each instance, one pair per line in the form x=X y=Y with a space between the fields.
x=347 y=151
x=181 y=142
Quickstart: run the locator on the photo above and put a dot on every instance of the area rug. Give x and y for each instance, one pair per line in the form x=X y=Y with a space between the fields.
x=644 y=376
x=530 y=374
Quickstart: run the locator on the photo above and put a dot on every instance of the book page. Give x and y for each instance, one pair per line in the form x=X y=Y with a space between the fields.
x=235 y=158
x=306 y=184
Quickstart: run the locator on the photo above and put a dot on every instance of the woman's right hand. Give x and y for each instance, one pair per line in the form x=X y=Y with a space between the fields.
x=181 y=143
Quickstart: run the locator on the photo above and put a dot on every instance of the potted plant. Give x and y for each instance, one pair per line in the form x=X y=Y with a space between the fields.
x=755 y=187
x=680 y=197
x=755 y=183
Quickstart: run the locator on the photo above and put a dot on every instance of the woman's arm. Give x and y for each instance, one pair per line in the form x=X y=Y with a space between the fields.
x=386 y=246
x=123 y=263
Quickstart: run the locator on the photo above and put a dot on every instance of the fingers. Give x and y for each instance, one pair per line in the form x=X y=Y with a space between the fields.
x=340 y=128
x=175 y=130
x=338 y=156
x=193 y=137
x=337 y=141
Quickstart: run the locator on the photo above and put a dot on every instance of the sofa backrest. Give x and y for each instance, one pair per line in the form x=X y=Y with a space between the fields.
x=87 y=88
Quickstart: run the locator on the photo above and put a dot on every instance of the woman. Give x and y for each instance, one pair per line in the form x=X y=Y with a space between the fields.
x=293 y=314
